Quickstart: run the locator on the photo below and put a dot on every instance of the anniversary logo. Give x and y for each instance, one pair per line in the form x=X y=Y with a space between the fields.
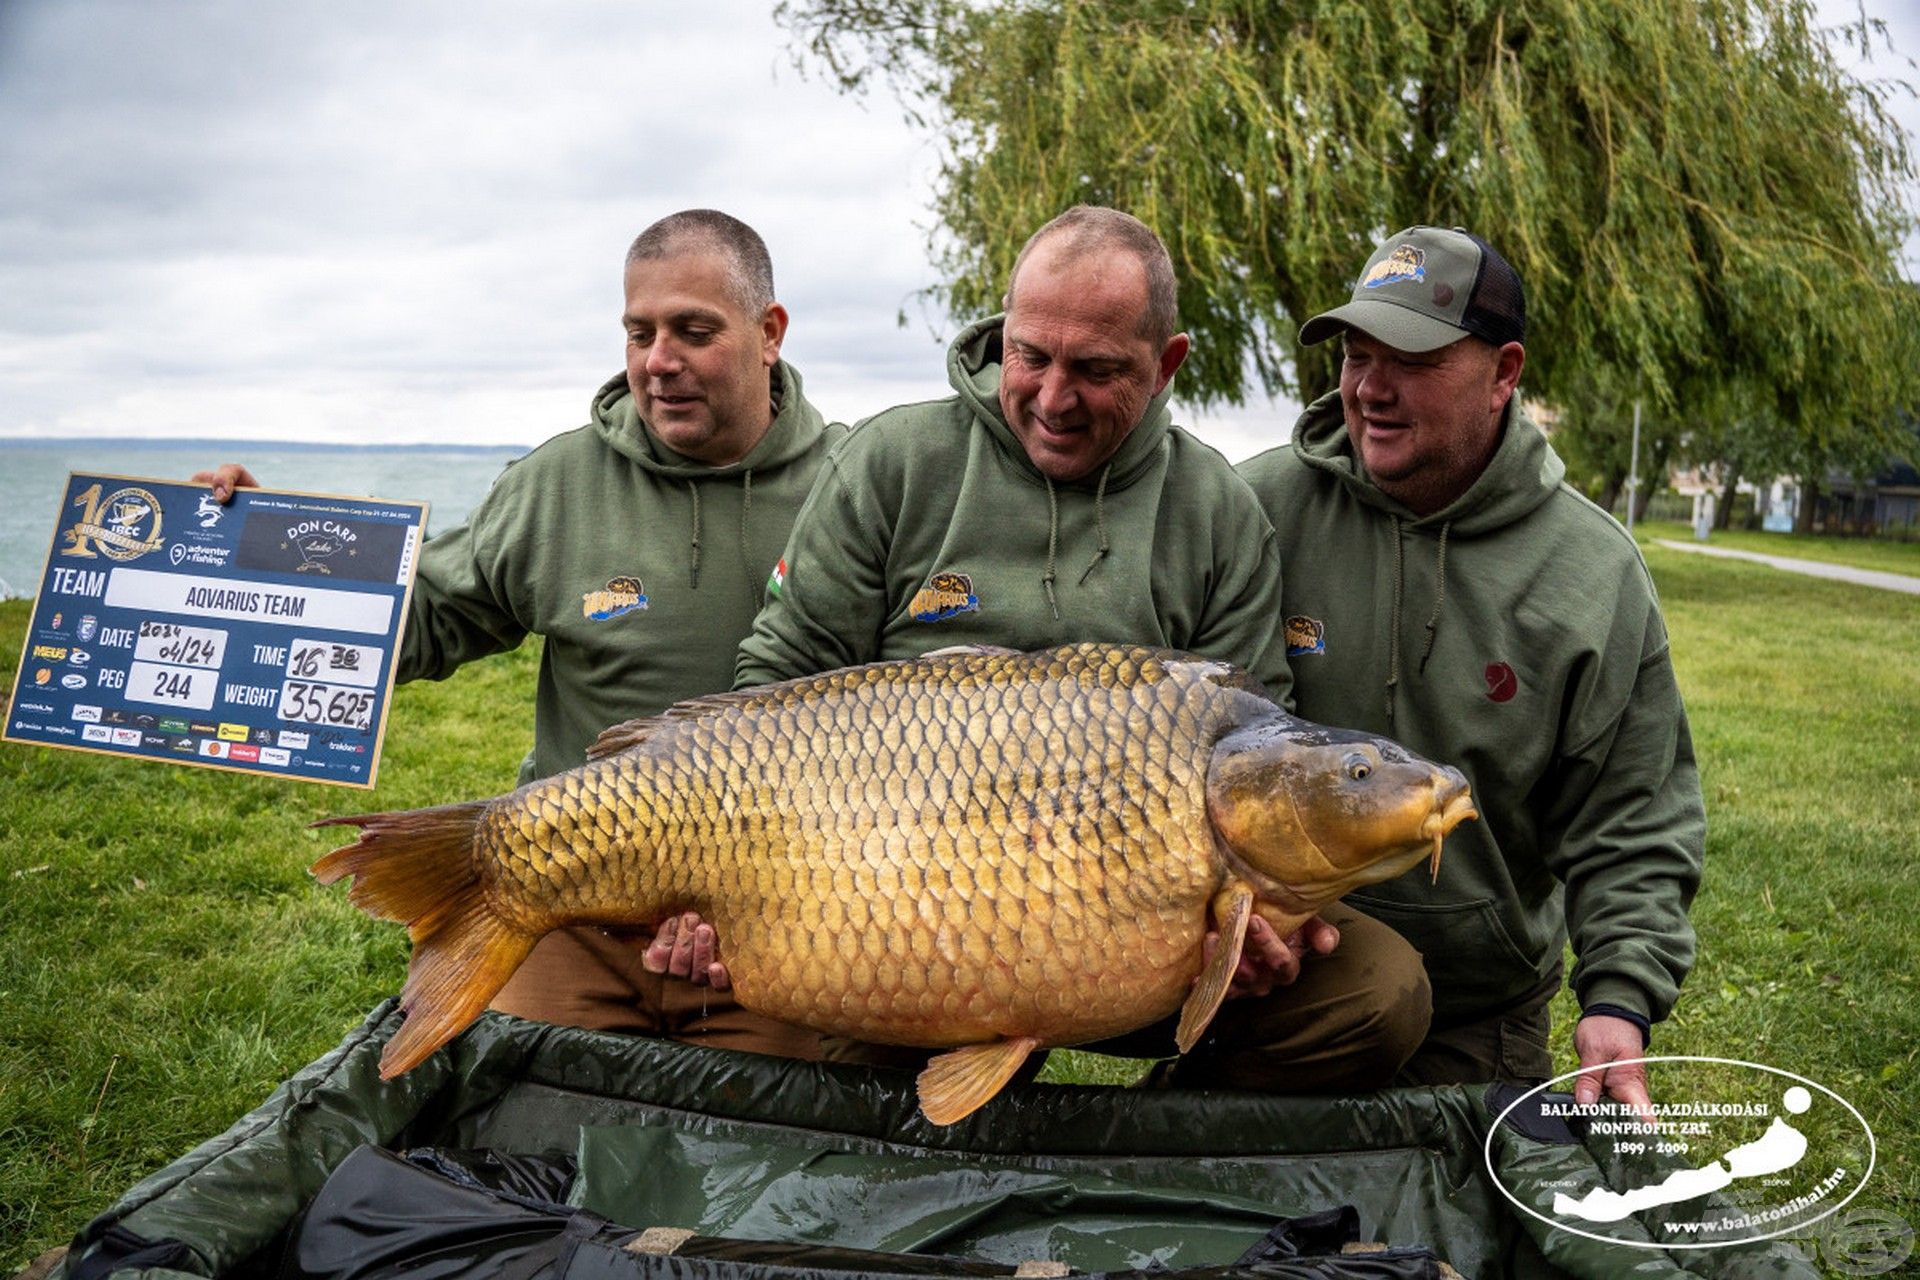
x=124 y=525
x=1736 y=1152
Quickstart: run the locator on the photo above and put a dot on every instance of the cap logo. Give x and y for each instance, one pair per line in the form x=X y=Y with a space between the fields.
x=1404 y=263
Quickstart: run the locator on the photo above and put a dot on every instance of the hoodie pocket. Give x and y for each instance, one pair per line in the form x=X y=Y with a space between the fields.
x=1472 y=960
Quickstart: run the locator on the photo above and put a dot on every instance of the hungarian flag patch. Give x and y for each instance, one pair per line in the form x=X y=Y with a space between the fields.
x=778 y=578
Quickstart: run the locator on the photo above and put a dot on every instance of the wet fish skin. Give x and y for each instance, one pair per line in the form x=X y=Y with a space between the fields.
x=976 y=848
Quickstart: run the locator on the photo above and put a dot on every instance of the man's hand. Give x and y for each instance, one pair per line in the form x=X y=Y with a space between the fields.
x=1267 y=960
x=1600 y=1039
x=225 y=478
x=685 y=946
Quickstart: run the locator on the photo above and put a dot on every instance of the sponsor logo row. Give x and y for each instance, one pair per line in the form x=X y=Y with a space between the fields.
x=222 y=731
x=211 y=748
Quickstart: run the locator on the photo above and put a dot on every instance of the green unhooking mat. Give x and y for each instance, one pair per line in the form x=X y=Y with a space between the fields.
x=530 y=1152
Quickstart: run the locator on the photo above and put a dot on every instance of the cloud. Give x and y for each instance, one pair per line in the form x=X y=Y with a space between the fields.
x=345 y=220
x=356 y=221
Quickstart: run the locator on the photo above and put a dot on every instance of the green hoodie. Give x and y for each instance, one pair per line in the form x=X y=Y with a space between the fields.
x=672 y=554
x=930 y=528
x=1514 y=634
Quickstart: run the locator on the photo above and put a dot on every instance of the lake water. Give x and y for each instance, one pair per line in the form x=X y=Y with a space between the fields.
x=33 y=479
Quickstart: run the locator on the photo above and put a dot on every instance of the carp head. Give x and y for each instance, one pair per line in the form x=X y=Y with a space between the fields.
x=1308 y=813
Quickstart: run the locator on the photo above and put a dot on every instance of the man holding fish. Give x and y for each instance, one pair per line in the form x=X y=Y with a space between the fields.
x=1522 y=643
x=706 y=443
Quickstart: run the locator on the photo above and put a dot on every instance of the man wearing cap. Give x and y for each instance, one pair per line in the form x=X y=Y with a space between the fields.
x=1470 y=604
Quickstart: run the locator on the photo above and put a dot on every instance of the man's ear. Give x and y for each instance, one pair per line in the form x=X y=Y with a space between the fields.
x=1172 y=356
x=1508 y=361
x=773 y=332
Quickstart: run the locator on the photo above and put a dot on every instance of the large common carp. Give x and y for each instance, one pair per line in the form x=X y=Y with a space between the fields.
x=979 y=848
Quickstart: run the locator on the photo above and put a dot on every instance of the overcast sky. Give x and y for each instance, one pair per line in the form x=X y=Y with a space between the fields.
x=359 y=221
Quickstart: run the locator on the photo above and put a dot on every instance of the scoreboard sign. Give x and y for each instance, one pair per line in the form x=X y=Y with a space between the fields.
x=259 y=636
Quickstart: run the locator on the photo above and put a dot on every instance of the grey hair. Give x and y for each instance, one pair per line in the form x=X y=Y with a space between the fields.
x=1089 y=228
x=749 y=268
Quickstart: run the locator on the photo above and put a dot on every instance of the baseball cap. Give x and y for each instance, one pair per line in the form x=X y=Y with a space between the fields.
x=1426 y=287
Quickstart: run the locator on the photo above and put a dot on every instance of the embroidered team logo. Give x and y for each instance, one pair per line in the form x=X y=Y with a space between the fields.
x=946 y=594
x=623 y=595
x=1502 y=684
x=1305 y=635
x=1404 y=263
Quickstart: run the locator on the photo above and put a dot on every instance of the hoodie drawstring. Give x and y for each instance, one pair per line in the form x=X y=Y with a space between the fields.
x=1053 y=543
x=1433 y=622
x=693 y=571
x=1439 y=598
x=1099 y=520
x=1393 y=621
x=757 y=593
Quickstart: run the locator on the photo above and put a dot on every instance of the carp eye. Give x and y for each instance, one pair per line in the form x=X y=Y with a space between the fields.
x=1357 y=767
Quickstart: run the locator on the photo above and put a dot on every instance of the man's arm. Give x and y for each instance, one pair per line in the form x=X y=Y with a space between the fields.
x=1628 y=839
x=461 y=607
x=1240 y=622
x=828 y=600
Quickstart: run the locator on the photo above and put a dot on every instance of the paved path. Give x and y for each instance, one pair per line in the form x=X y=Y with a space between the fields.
x=1818 y=568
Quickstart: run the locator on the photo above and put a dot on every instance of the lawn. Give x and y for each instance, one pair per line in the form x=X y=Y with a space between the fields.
x=1880 y=554
x=165 y=961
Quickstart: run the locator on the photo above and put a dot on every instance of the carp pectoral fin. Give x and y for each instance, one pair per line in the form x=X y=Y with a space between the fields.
x=417 y=868
x=957 y=1084
x=1232 y=909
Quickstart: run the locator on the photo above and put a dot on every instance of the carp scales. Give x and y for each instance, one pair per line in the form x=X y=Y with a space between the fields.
x=978 y=850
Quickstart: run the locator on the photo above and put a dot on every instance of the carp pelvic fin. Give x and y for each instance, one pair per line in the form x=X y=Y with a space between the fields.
x=417 y=868
x=1232 y=910
x=957 y=1084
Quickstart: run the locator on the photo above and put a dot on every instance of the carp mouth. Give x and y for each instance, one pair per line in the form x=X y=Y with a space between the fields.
x=1453 y=806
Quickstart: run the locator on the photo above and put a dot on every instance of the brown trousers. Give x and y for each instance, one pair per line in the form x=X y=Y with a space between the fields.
x=1346 y=1025
x=1509 y=1045
x=585 y=977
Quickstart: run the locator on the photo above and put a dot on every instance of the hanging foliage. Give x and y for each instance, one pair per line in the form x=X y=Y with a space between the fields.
x=1705 y=207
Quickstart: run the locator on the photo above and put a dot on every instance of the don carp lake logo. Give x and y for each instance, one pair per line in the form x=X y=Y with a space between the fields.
x=1735 y=1152
x=946 y=594
x=318 y=541
x=124 y=525
x=622 y=595
x=1404 y=263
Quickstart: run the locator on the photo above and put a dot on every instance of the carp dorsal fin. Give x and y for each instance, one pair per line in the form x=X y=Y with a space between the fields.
x=631 y=733
x=972 y=651
x=617 y=738
x=1232 y=909
x=957 y=1084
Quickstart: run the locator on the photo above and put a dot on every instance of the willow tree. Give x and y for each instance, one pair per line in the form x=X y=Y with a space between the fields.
x=1706 y=207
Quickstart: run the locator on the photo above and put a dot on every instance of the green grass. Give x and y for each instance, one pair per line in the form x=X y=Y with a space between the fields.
x=165 y=961
x=1879 y=554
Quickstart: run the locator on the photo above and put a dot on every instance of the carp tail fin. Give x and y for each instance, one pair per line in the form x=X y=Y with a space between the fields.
x=1232 y=911
x=417 y=868
x=955 y=1085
